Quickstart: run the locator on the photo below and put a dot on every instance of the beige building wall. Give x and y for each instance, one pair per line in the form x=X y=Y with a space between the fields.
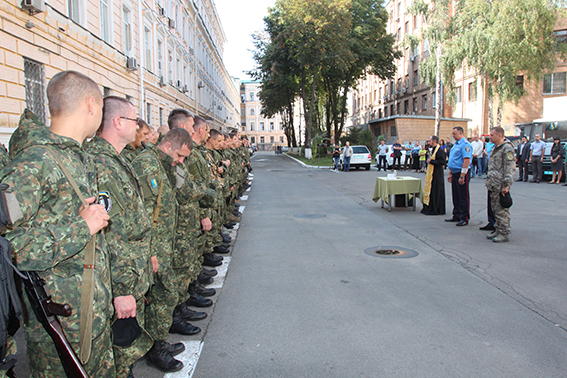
x=174 y=50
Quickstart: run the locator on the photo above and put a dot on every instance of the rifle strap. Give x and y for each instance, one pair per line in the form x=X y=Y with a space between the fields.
x=158 y=204
x=87 y=287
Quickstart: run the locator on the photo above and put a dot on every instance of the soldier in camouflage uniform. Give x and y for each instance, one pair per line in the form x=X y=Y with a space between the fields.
x=142 y=136
x=130 y=228
x=55 y=227
x=186 y=260
x=154 y=167
x=501 y=169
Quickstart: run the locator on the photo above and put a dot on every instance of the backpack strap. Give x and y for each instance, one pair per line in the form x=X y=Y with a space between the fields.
x=87 y=286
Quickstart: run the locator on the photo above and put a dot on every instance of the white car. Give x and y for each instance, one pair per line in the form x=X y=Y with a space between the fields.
x=390 y=157
x=361 y=157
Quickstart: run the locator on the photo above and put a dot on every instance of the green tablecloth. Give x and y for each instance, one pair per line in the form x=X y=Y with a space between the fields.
x=401 y=185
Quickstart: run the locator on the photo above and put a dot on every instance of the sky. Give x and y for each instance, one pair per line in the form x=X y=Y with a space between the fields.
x=240 y=19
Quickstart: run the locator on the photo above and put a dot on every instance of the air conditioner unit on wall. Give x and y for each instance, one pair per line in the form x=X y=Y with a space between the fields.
x=185 y=88
x=412 y=58
x=200 y=85
x=172 y=23
x=161 y=81
x=33 y=6
x=131 y=64
x=161 y=11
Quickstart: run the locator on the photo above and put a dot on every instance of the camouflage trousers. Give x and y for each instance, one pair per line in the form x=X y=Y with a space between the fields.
x=44 y=361
x=11 y=350
x=126 y=356
x=162 y=299
x=186 y=263
x=501 y=214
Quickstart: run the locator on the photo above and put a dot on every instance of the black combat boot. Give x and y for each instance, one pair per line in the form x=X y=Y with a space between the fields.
x=181 y=327
x=205 y=280
x=209 y=272
x=196 y=288
x=221 y=249
x=174 y=349
x=185 y=313
x=160 y=359
x=198 y=301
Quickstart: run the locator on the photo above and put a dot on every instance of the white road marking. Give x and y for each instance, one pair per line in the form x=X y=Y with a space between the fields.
x=189 y=358
x=219 y=278
x=241 y=209
x=244 y=198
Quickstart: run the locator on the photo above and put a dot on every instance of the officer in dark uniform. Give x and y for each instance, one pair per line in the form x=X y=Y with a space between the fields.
x=459 y=164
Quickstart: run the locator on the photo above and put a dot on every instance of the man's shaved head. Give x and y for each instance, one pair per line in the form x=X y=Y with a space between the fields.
x=67 y=90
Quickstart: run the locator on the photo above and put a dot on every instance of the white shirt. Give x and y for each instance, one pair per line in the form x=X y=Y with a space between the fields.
x=477 y=147
x=382 y=150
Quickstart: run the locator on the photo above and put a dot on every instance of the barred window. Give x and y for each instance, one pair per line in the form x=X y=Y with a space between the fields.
x=554 y=83
x=34 y=74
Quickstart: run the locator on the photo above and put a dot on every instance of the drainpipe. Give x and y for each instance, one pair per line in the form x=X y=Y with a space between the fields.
x=142 y=62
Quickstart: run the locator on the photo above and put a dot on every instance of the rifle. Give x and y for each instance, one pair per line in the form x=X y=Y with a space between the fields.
x=46 y=311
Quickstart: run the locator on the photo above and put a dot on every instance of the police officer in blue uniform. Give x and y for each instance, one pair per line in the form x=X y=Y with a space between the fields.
x=459 y=164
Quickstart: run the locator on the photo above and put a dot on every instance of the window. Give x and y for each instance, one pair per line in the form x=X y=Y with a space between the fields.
x=281 y=126
x=148 y=112
x=272 y=127
x=262 y=126
x=398 y=106
x=160 y=58
x=281 y=139
x=160 y=116
x=127 y=30
x=105 y=21
x=458 y=94
x=251 y=96
x=424 y=102
x=106 y=91
x=406 y=30
x=391 y=110
x=242 y=113
x=243 y=128
x=560 y=39
x=385 y=112
x=34 y=75
x=426 y=45
x=252 y=126
x=415 y=78
x=433 y=100
x=252 y=111
x=242 y=98
x=393 y=131
x=399 y=34
x=253 y=139
x=472 y=91
x=520 y=82
x=148 y=47
x=75 y=7
x=170 y=65
x=554 y=83
x=262 y=139
x=271 y=139
x=415 y=104
x=414 y=21
x=406 y=106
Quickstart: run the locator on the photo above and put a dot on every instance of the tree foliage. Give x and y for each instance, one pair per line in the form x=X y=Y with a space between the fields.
x=317 y=50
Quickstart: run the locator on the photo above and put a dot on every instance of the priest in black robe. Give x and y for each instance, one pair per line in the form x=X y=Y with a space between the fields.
x=434 y=191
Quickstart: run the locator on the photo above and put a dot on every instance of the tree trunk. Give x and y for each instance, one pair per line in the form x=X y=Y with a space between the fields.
x=438 y=93
x=490 y=111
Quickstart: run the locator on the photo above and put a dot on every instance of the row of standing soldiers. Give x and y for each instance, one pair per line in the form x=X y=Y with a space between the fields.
x=155 y=213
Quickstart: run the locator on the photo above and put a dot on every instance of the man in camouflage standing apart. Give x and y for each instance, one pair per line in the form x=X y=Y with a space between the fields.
x=501 y=169
x=154 y=167
x=56 y=227
x=130 y=228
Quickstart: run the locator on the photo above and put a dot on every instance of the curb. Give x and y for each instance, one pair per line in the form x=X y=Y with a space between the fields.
x=305 y=165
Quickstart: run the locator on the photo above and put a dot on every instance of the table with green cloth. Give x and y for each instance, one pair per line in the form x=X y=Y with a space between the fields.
x=385 y=188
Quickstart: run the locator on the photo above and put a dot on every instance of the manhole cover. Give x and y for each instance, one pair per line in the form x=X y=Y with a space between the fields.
x=310 y=216
x=391 y=252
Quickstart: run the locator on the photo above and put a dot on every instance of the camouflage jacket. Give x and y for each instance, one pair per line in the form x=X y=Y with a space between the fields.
x=154 y=168
x=4 y=158
x=130 y=153
x=201 y=172
x=501 y=167
x=189 y=194
x=51 y=236
x=129 y=231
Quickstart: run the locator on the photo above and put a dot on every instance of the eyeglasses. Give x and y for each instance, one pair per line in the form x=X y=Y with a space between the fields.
x=131 y=119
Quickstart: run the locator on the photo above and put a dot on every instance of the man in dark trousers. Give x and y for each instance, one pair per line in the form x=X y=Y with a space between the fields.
x=522 y=158
x=459 y=164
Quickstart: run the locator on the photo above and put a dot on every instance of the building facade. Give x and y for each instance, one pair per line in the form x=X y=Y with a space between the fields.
x=160 y=54
x=264 y=133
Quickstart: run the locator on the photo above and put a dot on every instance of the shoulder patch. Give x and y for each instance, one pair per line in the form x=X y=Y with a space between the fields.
x=105 y=200
x=510 y=156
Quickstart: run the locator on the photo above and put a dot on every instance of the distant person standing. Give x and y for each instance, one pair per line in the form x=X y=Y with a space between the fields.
x=408 y=147
x=336 y=157
x=415 y=156
x=557 y=157
x=382 y=153
x=459 y=177
x=347 y=154
x=434 y=191
x=478 y=152
x=397 y=147
x=537 y=150
x=522 y=158
x=500 y=177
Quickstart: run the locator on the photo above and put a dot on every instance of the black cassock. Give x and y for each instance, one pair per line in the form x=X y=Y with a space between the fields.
x=437 y=196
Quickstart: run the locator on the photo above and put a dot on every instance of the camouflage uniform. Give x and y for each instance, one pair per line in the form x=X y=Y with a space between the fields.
x=501 y=169
x=186 y=260
x=4 y=158
x=128 y=236
x=154 y=169
x=130 y=152
x=51 y=239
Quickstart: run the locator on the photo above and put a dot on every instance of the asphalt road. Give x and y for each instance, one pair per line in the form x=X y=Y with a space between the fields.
x=302 y=299
x=299 y=297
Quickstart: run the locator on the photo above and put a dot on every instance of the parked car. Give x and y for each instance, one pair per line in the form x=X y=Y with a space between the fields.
x=390 y=157
x=361 y=157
